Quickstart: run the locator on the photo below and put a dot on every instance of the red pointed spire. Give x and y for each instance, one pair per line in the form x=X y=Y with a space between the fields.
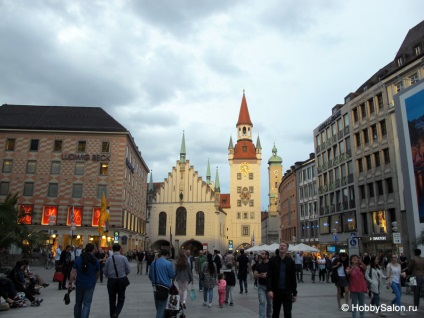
x=244 y=117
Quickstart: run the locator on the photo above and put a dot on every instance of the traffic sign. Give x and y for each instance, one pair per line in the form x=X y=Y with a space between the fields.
x=396 y=238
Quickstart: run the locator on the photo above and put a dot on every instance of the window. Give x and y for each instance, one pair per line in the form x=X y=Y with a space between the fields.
x=368 y=161
x=366 y=136
x=251 y=189
x=360 y=165
x=417 y=50
x=238 y=215
x=389 y=184
x=28 y=189
x=374 y=132
x=31 y=166
x=10 y=144
x=399 y=86
x=181 y=221
x=101 y=188
x=244 y=148
x=238 y=202
x=399 y=61
x=4 y=188
x=363 y=111
x=371 y=106
x=79 y=168
x=252 y=215
x=377 y=159
x=250 y=176
x=380 y=101
x=358 y=140
x=346 y=120
x=239 y=176
x=386 y=156
x=106 y=146
x=245 y=230
x=57 y=146
x=245 y=215
x=81 y=146
x=77 y=190
x=53 y=189
x=380 y=187
x=238 y=189
x=200 y=223
x=362 y=192
x=355 y=115
x=55 y=167
x=103 y=168
x=7 y=165
x=371 y=190
x=251 y=203
x=383 y=128
x=33 y=146
x=414 y=78
x=162 y=224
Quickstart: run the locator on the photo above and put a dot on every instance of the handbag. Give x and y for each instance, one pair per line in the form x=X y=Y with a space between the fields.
x=58 y=277
x=123 y=281
x=161 y=292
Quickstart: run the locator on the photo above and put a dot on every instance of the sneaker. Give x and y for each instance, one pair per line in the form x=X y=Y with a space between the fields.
x=241 y=292
x=35 y=303
x=210 y=305
x=205 y=303
x=226 y=301
x=231 y=304
x=45 y=285
x=246 y=291
x=382 y=314
x=402 y=313
x=221 y=306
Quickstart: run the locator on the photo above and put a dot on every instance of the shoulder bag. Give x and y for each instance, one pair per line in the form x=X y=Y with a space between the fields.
x=123 y=280
x=161 y=292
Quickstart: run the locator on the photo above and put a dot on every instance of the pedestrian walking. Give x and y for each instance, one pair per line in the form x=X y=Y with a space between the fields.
x=416 y=268
x=230 y=278
x=340 y=279
x=374 y=275
x=260 y=274
x=298 y=260
x=222 y=285
x=116 y=270
x=393 y=270
x=243 y=267
x=209 y=271
x=183 y=277
x=85 y=273
x=281 y=281
x=357 y=284
x=140 y=259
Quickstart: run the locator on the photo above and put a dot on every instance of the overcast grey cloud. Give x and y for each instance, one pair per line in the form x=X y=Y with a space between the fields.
x=161 y=67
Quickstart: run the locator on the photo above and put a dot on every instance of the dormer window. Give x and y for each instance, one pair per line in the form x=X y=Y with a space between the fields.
x=418 y=49
x=399 y=61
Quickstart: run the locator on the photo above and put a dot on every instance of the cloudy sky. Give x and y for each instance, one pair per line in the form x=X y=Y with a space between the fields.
x=163 y=66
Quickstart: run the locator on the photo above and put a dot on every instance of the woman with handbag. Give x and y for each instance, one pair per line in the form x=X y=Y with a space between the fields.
x=373 y=275
x=393 y=270
x=357 y=284
x=116 y=270
x=183 y=277
x=209 y=271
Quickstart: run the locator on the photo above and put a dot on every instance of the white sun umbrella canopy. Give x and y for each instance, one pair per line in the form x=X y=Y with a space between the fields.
x=272 y=247
x=302 y=248
x=257 y=248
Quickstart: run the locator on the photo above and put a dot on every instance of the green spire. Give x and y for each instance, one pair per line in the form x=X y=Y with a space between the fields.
x=151 y=182
x=217 y=186
x=208 y=174
x=258 y=143
x=230 y=146
x=183 y=150
x=274 y=159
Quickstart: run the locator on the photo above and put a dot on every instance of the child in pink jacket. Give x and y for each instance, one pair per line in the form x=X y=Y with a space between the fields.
x=222 y=284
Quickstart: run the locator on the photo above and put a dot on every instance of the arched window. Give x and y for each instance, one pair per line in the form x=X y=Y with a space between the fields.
x=181 y=221
x=200 y=223
x=162 y=223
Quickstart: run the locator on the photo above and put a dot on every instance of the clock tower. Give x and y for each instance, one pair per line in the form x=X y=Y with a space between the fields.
x=244 y=215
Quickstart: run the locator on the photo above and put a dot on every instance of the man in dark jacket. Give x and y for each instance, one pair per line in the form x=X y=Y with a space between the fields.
x=281 y=281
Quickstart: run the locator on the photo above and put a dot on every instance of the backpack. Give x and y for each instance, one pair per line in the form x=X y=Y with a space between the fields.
x=86 y=258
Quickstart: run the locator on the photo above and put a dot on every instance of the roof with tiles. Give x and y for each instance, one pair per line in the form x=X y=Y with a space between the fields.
x=244 y=117
x=73 y=118
x=250 y=150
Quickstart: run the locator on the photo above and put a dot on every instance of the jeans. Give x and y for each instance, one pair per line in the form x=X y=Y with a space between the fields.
x=207 y=291
x=229 y=293
x=282 y=297
x=140 y=267
x=160 y=307
x=357 y=299
x=114 y=288
x=313 y=272
x=375 y=300
x=299 y=272
x=417 y=290
x=83 y=299
x=398 y=294
x=265 y=303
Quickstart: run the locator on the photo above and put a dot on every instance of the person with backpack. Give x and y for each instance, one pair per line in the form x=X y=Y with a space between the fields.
x=85 y=273
x=374 y=275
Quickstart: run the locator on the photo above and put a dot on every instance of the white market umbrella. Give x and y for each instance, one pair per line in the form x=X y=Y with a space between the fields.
x=302 y=248
x=257 y=248
x=272 y=247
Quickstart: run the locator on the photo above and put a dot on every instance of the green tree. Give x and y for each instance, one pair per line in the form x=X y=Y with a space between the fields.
x=13 y=232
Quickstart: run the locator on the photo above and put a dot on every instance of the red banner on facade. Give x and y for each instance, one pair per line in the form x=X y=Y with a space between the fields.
x=49 y=210
x=77 y=215
x=25 y=214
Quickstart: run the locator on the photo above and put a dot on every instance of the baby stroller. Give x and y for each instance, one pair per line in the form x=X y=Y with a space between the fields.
x=410 y=284
x=173 y=306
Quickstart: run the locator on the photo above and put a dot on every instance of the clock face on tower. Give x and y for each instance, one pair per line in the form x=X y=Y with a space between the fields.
x=244 y=167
